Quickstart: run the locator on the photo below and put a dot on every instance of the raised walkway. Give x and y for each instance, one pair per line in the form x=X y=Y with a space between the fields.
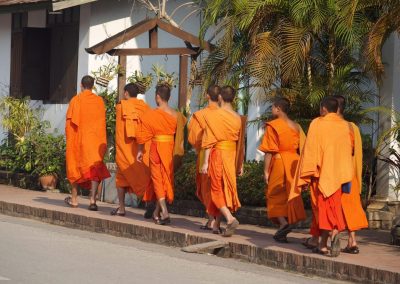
x=377 y=262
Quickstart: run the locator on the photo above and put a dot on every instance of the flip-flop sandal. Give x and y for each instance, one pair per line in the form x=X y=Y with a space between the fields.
x=68 y=201
x=284 y=231
x=149 y=212
x=206 y=226
x=319 y=251
x=351 y=250
x=218 y=232
x=335 y=246
x=230 y=228
x=115 y=212
x=307 y=244
x=281 y=239
x=164 y=222
x=93 y=207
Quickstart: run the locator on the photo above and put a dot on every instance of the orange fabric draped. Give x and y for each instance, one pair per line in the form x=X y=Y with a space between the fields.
x=283 y=142
x=132 y=175
x=155 y=123
x=351 y=202
x=327 y=159
x=222 y=127
x=196 y=128
x=86 y=139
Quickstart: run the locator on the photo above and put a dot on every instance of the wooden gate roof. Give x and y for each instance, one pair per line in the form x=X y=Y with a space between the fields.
x=193 y=43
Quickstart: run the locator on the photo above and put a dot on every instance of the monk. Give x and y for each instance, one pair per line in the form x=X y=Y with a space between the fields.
x=223 y=143
x=196 y=130
x=352 y=208
x=281 y=144
x=86 y=138
x=163 y=127
x=131 y=177
x=327 y=164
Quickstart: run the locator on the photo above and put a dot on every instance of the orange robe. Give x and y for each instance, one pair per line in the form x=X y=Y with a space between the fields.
x=161 y=129
x=133 y=176
x=353 y=212
x=196 y=129
x=283 y=142
x=223 y=135
x=86 y=139
x=327 y=164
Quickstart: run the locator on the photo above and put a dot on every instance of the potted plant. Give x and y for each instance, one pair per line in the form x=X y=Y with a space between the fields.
x=144 y=82
x=106 y=73
x=49 y=161
x=163 y=77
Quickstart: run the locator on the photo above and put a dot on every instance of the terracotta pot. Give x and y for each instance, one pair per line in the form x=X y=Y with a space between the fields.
x=48 y=182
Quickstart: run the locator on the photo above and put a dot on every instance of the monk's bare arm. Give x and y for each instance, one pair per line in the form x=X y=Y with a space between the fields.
x=267 y=163
x=139 y=157
x=204 y=167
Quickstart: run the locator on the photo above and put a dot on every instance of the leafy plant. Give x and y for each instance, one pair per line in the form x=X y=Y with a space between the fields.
x=162 y=77
x=110 y=99
x=18 y=117
x=144 y=82
x=49 y=152
x=106 y=73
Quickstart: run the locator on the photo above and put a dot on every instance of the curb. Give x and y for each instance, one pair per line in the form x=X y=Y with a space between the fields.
x=289 y=261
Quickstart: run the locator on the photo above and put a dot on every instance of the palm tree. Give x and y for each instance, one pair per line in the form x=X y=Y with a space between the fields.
x=301 y=49
x=387 y=13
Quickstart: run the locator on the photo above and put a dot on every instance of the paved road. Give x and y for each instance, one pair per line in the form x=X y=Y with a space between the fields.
x=34 y=252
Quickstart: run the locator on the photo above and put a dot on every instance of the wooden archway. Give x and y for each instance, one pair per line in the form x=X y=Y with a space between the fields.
x=193 y=49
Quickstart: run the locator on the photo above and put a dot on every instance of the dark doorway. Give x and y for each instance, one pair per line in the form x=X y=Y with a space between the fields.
x=64 y=55
x=44 y=61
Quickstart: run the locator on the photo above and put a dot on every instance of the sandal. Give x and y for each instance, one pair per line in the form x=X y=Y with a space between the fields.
x=149 y=212
x=206 y=226
x=307 y=244
x=319 y=251
x=230 y=228
x=163 y=222
x=351 y=250
x=280 y=239
x=284 y=231
x=68 y=201
x=93 y=207
x=335 y=246
x=115 y=212
x=219 y=231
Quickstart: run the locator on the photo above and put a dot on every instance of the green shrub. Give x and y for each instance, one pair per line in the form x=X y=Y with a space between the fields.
x=251 y=185
x=185 y=178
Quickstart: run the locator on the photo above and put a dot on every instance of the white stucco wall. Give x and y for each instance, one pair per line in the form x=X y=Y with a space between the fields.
x=124 y=14
x=389 y=97
x=5 y=57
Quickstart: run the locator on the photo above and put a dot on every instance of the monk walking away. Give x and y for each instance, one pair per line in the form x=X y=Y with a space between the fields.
x=163 y=128
x=132 y=176
x=281 y=144
x=328 y=164
x=351 y=202
x=86 y=143
x=223 y=144
x=196 y=129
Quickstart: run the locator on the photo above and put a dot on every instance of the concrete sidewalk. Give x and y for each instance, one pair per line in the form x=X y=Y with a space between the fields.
x=376 y=263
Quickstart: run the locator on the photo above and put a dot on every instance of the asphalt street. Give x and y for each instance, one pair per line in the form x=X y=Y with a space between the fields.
x=35 y=252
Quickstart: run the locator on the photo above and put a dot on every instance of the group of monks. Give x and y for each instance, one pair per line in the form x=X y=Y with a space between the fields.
x=149 y=145
x=328 y=162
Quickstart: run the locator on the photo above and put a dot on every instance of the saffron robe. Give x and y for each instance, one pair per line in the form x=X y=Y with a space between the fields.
x=165 y=132
x=284 y=143
x=327 y=162
x=224 y=134
x=86 y=139
x=196 y=129
x=352 y=208
x=131 y=175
